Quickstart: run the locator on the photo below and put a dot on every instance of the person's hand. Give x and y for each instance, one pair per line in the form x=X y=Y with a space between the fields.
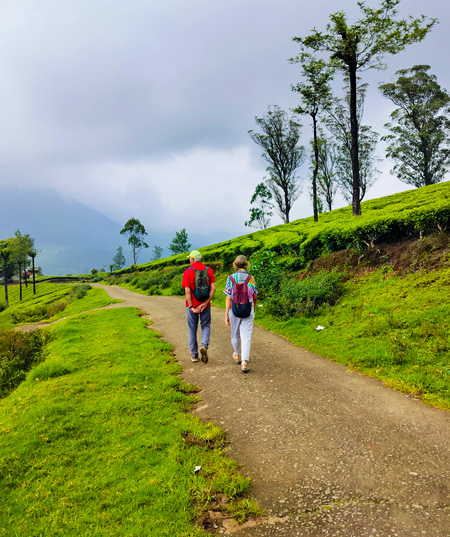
x=227 y=320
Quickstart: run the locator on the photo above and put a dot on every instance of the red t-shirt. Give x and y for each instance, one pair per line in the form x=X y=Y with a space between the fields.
x=189 y=280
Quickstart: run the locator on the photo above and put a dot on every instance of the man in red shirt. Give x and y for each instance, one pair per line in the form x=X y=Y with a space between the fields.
x=198 y=307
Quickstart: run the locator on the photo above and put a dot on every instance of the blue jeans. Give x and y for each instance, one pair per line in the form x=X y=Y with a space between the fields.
x=205 y=324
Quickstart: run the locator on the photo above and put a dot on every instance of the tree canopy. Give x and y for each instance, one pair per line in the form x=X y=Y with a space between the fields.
x=419 y=142
x=261 y=214
x=135 y=232
x=119 y=259
x=180 y=243
x=315 y=95
x=362 y=46
x=279 y=138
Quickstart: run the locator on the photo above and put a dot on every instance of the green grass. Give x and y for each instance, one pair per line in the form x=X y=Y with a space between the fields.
x=394 y=328
x=51 y=302
x=415 y=211
x=98 y=440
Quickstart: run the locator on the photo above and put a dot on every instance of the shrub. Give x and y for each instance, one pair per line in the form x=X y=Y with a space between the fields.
x=302 y=297
x=53 y=309
x=19 y=351
x=176 y=287
x=79 y=291
x=2 y=306
x=37 y=313
x=267 y=273
x=154 y=290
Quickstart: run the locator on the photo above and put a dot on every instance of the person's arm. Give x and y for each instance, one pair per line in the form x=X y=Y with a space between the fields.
x=227 y=309
x=188 y=293
x=204 y=304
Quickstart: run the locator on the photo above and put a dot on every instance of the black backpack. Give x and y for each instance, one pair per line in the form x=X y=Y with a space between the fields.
x=202 y=287
x=241 y=306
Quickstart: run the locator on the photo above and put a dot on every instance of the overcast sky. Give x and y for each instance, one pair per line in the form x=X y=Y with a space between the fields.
x=142 y=108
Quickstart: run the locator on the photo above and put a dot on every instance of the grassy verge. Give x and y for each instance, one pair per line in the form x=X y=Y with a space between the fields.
x=51 y=302
x=394 y=328
x=98 y=440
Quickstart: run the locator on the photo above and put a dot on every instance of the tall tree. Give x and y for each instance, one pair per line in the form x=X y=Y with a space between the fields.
x=326 y=177
x=5 y=263
x=21 y=246
x=368 y=171
x=279 y=139
x=315 y=94
x=135 y=232
x=339 y=123
x=420 y=140
x=33 y=253
x=119 y=259
x=180 y=243
x=157 y=253
x=361 y=46
x=261 y=214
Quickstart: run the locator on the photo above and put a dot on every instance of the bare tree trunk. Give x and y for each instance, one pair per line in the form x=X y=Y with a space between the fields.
x=5 y=276
x=34 y=277
x=354 y=151
x=287 y=208
x=20 y=279
x=316 y=169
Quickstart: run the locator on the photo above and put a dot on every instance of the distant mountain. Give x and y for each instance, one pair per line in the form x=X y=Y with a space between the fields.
x=70 y=237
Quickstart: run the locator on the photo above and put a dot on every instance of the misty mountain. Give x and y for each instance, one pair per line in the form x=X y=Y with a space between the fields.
x=70 y=237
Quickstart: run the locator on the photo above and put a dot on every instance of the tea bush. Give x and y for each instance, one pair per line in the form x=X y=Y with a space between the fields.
x=302 y=297
x=154 y=290
x=267 y=273
x=79 y=291
x=19 y=351
x=37 y=313
x=176 y=287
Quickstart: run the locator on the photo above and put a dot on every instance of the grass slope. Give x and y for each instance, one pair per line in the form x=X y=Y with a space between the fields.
x=391 y=319
x=51 y=302
x=394 y=217
x=98 y=440
x=387 y=326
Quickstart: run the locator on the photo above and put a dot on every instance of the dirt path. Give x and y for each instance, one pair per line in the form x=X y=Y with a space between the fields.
x=330 y=451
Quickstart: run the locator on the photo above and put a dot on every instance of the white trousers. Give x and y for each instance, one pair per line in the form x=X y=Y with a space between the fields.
x=241 y=334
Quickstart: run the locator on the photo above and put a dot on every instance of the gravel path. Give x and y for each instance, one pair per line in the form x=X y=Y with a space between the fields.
x=330 y=451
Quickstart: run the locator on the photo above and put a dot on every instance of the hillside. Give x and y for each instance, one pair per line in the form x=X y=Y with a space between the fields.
x=377 y=284
x=388 y=219
x=70 y=237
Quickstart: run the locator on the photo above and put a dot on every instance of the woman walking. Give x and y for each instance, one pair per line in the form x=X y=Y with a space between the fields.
x=240 y=313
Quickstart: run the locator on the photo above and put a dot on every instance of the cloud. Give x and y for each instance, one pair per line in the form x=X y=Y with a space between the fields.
x=202 y=190
x=133 y=107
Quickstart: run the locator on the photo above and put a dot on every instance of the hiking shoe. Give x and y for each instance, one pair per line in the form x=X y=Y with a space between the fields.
x=194 y=359
x=204 y=353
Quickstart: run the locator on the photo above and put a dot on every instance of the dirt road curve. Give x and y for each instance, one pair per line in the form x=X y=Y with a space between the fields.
x=330 y=452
